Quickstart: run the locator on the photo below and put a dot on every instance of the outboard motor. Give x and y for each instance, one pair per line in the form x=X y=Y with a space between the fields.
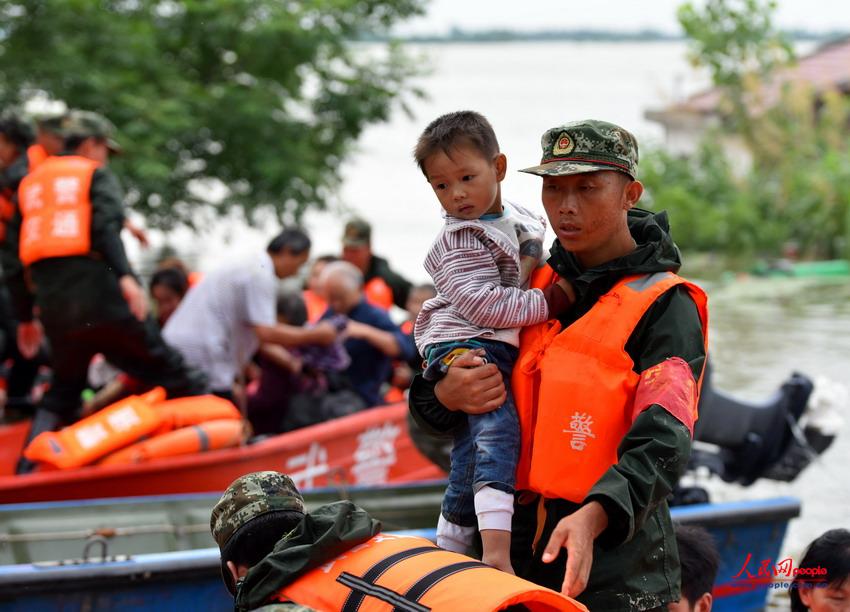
x=750 y=440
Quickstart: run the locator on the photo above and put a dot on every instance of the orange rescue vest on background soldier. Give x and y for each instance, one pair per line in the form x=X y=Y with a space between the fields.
x=378 y=293
x=56 y=209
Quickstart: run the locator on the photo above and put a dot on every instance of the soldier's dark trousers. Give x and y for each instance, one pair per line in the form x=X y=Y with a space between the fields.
x=132 y=346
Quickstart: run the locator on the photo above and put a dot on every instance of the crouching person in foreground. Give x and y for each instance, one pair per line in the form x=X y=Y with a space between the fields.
x=275 y=556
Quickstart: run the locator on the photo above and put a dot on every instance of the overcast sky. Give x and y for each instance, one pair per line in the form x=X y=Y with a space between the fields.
x=817 y=15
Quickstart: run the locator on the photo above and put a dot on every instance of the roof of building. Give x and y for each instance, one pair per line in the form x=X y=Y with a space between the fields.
x=828 y=67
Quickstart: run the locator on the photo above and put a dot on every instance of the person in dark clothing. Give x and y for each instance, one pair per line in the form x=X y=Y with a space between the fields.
x=66 y=234
x=373 y=340
x=606 y=393
x=377 y=275
x=16 y=138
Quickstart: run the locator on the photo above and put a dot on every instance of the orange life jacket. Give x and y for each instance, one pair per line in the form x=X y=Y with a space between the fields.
x=575 y=387
x=378 y=293
x=315 y=303
x=94 y=436
x=411 y=574
x=209 y=435
x=56 y=209
x=185 y=411
x=35 y=155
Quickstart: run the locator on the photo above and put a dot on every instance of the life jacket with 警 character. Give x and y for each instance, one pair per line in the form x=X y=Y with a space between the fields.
x=410 y=574
x=577 y=393
x=56 y=209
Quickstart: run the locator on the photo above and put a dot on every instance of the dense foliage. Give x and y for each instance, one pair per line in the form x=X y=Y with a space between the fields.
x=253 y=103
x=796 y=190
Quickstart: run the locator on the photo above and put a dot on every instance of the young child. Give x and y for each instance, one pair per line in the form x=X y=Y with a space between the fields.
x=480 y=263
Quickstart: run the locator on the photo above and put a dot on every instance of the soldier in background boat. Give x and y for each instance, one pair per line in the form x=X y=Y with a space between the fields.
x=66 y=233
x=18 y=155
x=383 y=287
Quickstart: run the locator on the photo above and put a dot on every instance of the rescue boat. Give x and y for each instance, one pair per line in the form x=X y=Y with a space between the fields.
x=158 y=553
x=372 y=447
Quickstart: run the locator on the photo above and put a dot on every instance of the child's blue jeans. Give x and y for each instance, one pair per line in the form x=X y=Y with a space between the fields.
x=486 y=447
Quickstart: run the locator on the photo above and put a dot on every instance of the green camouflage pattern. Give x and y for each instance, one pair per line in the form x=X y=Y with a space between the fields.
x=87 y=124
x=357 y=232
x=587 y=146
x=250 y=496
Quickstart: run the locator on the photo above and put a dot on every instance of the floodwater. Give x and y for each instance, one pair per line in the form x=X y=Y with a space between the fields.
x=760 y=331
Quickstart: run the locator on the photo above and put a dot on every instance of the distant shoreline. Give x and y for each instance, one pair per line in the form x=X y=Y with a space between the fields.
x=457 y=35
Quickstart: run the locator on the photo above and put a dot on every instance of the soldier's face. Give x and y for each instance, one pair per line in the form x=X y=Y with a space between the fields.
x=588 y=212
x=359 y=255
x=94 y=149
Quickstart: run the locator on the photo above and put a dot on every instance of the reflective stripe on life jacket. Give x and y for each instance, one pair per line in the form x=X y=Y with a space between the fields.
x=55 y=207
x=410 y=574
x=210 y=435
x=378 y=293
x=575 y=387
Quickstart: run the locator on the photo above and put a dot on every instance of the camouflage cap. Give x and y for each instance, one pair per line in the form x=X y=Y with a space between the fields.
x=250 y=496
x=51 y=123
x=357 y=232
x=87 y=124
x=587 y=146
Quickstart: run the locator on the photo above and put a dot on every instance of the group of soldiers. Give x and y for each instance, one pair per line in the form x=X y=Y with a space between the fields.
x=64 y=264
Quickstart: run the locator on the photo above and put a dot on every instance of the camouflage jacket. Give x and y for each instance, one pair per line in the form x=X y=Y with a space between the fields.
x=322 y=535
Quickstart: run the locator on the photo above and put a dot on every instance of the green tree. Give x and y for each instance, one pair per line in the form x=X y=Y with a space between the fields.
x=739 y=45
x=234 y=104
x=797 y=188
